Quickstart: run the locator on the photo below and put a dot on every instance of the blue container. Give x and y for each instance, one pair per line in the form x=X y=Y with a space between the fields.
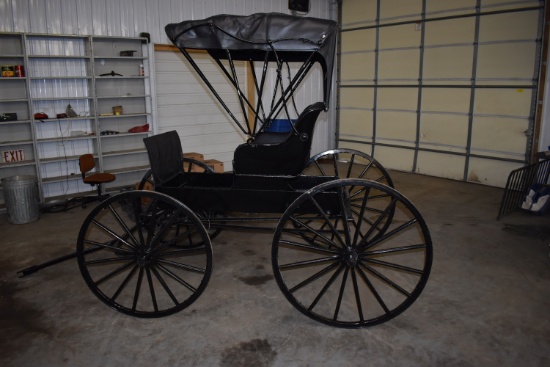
x=280 y=126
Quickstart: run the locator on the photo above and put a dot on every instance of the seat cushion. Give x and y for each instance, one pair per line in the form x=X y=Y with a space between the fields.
x=99 y=178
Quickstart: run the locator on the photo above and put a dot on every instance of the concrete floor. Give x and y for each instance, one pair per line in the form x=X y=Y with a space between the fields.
x=487 y=302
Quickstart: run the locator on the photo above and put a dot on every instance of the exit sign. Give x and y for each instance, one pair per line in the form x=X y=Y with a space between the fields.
x=13 y=155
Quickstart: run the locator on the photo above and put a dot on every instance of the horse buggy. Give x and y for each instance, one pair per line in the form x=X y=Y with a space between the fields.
x=347 y=249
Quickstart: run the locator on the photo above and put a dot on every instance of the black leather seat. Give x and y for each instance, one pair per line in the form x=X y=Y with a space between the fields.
x=279 y=153
x=165 y=155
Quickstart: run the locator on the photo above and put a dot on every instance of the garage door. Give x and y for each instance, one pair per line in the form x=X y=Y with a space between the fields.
x=186 y=105
x=441 y=87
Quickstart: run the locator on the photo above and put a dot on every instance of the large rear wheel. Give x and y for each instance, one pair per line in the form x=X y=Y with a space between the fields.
x=339 y=261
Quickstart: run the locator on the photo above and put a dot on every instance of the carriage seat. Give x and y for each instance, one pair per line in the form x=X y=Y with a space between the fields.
x=165 y=155
x=279 y=153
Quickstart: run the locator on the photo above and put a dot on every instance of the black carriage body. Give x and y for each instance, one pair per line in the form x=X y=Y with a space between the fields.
x=229 y=192
x=359 y=256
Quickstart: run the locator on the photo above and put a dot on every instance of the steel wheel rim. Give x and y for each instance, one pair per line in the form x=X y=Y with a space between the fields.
x=347 y=277
x=144 y=260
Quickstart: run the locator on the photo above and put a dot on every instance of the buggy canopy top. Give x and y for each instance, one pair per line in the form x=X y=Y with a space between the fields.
x=277 y=37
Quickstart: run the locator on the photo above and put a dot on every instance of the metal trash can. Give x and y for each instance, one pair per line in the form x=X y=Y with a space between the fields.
x=22 y=199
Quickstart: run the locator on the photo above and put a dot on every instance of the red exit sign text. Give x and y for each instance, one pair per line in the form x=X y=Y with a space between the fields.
x=13 y=155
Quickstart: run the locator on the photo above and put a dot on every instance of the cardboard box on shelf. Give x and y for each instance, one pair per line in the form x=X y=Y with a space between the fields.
x=216 y=165
x=194 y=155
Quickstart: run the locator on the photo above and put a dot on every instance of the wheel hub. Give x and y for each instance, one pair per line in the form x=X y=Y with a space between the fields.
x=143 y=260
x=350 y=257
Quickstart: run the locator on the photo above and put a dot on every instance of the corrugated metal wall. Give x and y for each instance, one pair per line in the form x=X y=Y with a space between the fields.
x=128 y=18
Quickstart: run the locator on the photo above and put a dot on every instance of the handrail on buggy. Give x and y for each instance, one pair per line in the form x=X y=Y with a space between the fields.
x=265 y=37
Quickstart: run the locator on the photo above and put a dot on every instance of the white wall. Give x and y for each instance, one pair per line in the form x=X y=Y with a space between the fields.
x=128 y=18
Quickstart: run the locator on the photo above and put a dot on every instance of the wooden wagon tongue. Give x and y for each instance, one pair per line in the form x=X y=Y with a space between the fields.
x=267 y=38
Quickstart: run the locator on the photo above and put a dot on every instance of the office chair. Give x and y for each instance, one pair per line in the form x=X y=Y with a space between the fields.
x=87 y=163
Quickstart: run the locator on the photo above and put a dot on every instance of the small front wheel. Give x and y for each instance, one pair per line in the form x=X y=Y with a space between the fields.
x=347 y=258
x=144 y=260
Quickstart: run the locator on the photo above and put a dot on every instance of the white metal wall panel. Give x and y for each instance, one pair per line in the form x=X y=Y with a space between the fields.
x=185 y=105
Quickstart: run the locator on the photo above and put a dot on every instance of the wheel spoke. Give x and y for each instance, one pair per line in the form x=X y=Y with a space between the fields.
x=152 y=289
x=138 y=289
x=178 y=265
x=177 y=278
x=172 y=218
x=112 y=234
x=124 y=226
x=366 y=245
x=325 y=288
x=383 y=215
x=110 y=260
x=364 y=171
x=109 y=246
x=114 y=273
x=300 y=264
x=341 y=294
x=385 y=280
x=350 y=166
x=373 y=290
x=165 y=286
x=320 y=168
x=183 y=251
x=175 y=240
x=395 y=249
x=308 y=247
x=124 y=283
x=335 y=164
x=327 y=220
x=344 y=211
x=360 y=220
x=330 y=242
x=357 y=296
x=314 y=277
x=394 y=266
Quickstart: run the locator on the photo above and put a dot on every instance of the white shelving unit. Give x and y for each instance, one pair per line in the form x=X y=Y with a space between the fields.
x=89 y=73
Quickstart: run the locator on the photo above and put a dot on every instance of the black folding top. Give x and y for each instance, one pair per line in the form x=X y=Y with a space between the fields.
x=285 y=38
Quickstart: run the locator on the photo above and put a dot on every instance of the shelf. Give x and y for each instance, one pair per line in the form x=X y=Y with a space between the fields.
x=72 y=57
x=62 y=98
x=13 y=78
x=17 y=164
x=15 y=142
x=15 y=122
x=125 y=58
x=119 y=97
x=62 y=178
x=80 y=137
x=58 y=159
x=60 y=77
x=14 y=100
x=123 y=152
x=126 y=115
x=108 y=77
x=57 y=80
x=123 y=134
x=119 y=171
x=79 y=118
